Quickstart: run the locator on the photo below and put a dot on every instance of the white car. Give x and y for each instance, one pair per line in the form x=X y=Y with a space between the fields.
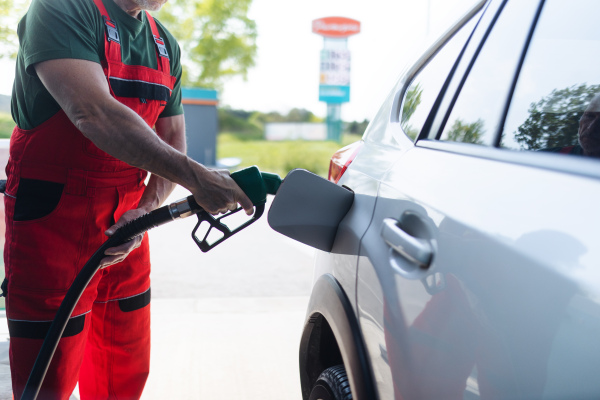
x=468 y=265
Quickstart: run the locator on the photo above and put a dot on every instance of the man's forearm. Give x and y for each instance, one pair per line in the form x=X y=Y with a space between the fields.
x=84 y=96
x=123 y=134
x=172 y=131
x=156 y=192
x=110 y=125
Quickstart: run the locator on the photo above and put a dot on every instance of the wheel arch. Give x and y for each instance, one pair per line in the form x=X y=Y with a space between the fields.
x=332 y=336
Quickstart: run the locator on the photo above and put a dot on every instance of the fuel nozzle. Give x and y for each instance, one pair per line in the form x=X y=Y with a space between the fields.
x=257 y=185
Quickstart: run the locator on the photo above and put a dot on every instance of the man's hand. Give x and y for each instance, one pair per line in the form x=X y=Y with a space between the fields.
x=218 y=193
x=119 y=253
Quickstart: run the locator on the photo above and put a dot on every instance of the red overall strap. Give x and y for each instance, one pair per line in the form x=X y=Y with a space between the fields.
x=161 y=49
x=112 y=43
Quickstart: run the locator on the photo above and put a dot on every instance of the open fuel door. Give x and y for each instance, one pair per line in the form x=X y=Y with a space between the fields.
x=309 y=209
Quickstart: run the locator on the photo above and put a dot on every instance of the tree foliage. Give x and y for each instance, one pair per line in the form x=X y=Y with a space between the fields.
x=554 y=120
x=217 y=38
x=11 y=12
x=357 y=128
x=466 y=132
x=411 y=102
x=253 y=123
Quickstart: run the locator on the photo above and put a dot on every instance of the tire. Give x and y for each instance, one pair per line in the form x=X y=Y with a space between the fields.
x=332 y=385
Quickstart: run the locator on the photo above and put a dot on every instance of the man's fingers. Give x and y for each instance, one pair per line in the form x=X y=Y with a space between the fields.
x=111 y=231
x=119 y=253
x=246 y=204
x=124 y=248
x=108 y=261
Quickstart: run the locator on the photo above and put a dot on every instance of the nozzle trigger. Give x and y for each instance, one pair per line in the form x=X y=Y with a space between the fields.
x=216 y=223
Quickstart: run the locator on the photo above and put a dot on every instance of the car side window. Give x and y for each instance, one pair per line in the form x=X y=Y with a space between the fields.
x=420 y=96
x=478 y=110
x=556 y=103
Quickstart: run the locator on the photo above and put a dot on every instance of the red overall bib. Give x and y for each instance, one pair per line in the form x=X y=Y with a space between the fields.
x=62 y=194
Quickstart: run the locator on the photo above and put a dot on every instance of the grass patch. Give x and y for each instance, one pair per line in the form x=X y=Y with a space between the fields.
x=250 y=146
x=280 y=157
x=6 y=125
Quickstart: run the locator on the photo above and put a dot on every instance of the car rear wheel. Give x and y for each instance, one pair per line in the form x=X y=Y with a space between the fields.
x=332 y=385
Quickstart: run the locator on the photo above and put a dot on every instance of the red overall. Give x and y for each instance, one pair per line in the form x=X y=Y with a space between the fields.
x=62 y=194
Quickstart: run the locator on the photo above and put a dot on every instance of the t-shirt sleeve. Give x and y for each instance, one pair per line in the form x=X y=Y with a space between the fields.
x=59 y=29
x=174 y=106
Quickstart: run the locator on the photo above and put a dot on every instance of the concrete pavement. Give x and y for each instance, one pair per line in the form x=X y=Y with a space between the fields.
x=226 y=348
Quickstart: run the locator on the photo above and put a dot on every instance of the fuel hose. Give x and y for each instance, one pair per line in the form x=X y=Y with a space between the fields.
x=180 y=209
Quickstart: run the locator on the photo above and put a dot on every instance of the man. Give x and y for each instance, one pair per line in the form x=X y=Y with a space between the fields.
x=588 y=133
x=589 y=129
x=93 y=78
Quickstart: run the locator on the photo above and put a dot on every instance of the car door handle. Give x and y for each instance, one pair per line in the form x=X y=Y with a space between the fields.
x=416 y=250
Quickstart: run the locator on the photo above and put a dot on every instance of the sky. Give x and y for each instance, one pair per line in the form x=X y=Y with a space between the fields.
x=286 y=74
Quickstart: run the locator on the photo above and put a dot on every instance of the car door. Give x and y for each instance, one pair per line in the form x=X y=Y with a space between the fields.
x=479 y=274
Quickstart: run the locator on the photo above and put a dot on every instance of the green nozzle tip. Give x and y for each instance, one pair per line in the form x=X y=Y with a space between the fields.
x=256 y=184
x=272 y=182
x=250 y=181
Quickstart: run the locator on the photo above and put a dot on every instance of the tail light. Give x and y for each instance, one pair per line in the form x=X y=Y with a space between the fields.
x=341 y=160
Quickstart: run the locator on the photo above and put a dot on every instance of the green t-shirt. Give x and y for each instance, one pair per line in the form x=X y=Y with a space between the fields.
x=54 y=29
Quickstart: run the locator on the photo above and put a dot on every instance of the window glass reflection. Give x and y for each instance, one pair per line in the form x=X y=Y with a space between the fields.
x=477 y=112
x=425 y=87
x=556 y=104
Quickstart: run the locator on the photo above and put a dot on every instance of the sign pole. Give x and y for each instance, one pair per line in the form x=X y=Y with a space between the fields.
x=334 y=122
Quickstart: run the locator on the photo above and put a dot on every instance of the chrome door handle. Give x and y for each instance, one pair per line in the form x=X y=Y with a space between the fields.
x=416 y=250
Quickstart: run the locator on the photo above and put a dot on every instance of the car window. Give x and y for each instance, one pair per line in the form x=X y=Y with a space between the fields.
x=556 y=103
x=426 y=85
x=479 y=108
x=461 y=69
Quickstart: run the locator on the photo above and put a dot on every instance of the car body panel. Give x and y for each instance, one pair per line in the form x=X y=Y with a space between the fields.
x=500 y=283
x=363 y=179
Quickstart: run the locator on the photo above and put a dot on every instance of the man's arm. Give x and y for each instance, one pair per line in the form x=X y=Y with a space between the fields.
x=172 y=131
x=80 y=88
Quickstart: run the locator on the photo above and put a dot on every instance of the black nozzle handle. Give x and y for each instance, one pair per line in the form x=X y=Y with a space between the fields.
x=216 y=223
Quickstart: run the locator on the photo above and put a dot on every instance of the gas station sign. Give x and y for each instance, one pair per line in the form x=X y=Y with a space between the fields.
x=334 y=81
x=334 y=75
x=334 y=94
x=335 y=67
x=336 y=27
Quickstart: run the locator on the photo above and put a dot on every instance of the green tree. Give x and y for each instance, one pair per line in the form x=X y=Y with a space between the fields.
x=357 y=128
x=11 y=12
x=411 y=102
x=465 y=132
x=217 y=38
x=554 y=120
x=301 y=115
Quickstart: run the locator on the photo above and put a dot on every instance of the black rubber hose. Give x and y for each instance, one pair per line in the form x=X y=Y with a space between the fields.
x=133 y=228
